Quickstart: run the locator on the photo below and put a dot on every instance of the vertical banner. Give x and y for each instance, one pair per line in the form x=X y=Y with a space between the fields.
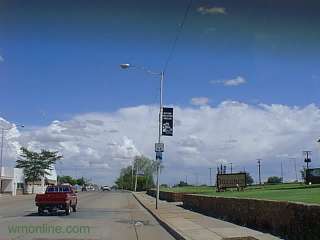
x=167 y=121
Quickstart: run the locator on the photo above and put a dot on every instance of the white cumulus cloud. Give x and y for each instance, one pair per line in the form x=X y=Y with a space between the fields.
x=211 y=10
x=98 y=145
x=199 y=101
x=230 y=82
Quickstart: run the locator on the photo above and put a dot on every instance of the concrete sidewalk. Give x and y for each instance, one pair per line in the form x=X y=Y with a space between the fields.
x=185 y=224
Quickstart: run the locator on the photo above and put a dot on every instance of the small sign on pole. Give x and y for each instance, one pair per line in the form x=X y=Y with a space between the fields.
x=167 y=121
x=159 y=147
x=159 y=156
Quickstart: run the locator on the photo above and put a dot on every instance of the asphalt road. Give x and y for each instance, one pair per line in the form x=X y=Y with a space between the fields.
x=100 y=215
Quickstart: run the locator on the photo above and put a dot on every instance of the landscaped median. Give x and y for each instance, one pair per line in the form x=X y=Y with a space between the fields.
x=290 y=220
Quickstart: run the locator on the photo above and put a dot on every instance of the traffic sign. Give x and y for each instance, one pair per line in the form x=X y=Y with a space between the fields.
x=158 y=155
x=159 y=147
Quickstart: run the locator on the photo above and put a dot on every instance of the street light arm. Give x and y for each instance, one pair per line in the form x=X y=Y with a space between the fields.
x=127 y=65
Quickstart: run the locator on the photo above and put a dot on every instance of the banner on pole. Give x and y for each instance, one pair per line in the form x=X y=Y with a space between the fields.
x=167 y=121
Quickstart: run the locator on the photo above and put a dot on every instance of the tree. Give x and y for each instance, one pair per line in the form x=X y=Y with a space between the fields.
x=249 y=178
x=141 y=164
x=81 y=181
x=67 y=179
x=181 y=184
x=36 y=165
x=274 y=179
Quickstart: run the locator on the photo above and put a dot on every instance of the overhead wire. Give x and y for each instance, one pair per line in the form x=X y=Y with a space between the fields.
x=178 y=33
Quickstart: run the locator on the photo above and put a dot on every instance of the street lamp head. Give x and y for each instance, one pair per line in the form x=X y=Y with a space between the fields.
x=125 y=65
x=318 y=140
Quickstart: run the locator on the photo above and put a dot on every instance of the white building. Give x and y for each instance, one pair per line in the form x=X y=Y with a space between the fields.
x=12 y=181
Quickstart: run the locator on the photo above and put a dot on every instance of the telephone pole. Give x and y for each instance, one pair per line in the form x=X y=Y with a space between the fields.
x=281 y=172
x=259 y=168
x=307 y=159
x=230 y=167
x=210 y=177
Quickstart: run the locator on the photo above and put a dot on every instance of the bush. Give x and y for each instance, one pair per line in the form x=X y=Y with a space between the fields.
x=274 y=179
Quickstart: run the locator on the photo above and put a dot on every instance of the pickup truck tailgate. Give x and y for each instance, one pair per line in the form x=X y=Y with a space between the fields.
x=51 y=198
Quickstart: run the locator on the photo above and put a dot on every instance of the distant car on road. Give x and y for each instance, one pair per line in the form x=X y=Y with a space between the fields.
x=60 y=197
x=105 y=188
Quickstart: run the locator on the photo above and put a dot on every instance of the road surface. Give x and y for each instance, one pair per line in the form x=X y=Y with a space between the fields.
x=100 y=215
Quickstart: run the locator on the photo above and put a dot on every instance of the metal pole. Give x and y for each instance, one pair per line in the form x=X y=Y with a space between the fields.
x=132 y=176
x=231 y=167
x=281 y=171
x=159 y=139
x=136 y=181
x=210 y=177
x=1 y=152
x=295 y=169
x=259 y=166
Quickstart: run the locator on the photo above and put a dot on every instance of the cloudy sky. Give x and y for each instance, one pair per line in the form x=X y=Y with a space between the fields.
x=243 y=81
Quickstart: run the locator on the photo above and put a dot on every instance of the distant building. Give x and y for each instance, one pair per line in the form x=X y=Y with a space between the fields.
x=12 y=181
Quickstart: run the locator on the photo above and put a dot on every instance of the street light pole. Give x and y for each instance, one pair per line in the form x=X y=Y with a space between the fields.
x=1 y=152
x=159 y=137
x=161 y=74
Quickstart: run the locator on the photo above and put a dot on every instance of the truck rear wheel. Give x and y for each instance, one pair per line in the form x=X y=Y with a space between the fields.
x=40 y=211
x=74 y=208
x=68 y=209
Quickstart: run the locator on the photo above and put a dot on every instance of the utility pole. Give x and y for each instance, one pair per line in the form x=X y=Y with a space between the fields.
x=259 y=168
x=281 y=171
x=187 y=180
x=295 y=169
x=136 y=181
x=295 y=166
x=132 y=176
x=197 y=179
x=230 y=167
x=307 y=159
x=210 y=182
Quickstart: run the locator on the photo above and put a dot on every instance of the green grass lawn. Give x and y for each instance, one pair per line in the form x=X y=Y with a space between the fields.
x=284 y=192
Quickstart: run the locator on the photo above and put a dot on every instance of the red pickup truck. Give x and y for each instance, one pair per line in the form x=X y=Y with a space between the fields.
x=60 y=197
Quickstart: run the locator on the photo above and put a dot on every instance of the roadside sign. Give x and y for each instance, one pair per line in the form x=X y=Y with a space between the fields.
x=231 y=180
x=167 y=121
x=159 y=147
x=307 y=160
x=158 y=155
x=312 y=175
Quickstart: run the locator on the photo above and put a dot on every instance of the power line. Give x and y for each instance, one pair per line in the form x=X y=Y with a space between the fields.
x=179 y=30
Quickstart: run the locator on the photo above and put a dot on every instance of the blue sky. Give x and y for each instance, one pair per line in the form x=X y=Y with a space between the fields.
x=61 y=58
x=237 y=60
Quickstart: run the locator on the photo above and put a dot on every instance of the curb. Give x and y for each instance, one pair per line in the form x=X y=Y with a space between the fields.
x=174 y=233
